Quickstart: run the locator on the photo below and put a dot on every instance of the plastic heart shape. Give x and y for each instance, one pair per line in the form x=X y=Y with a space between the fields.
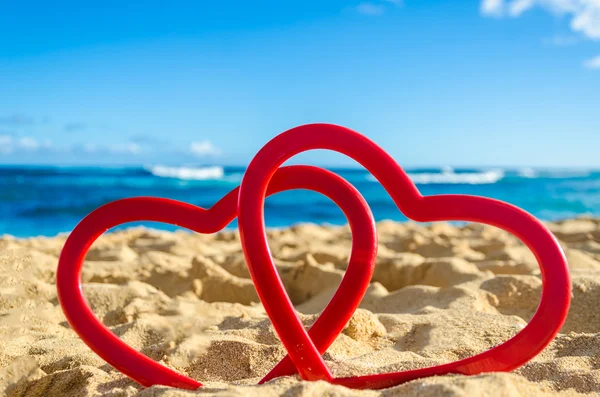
x=148 y=372
x=541 y=329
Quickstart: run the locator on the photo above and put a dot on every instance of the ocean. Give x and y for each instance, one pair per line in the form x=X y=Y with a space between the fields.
x=47 y=200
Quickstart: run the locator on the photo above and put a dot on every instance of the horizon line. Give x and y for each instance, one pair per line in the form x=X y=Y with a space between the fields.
x=329 y=166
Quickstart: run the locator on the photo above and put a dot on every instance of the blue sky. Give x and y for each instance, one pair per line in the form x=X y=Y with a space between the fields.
x=513 y=83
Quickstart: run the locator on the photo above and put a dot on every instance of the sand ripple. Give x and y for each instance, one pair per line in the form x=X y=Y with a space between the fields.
x=439 y=293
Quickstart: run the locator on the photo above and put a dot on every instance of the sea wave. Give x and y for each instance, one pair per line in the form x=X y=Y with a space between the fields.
x=527 y=173
x=564 y=173
x=470 y=178
x=449 y=177
x=188 y=173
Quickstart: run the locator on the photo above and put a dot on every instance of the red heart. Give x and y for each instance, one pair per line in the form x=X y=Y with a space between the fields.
x=507 y=356
x=148 y=372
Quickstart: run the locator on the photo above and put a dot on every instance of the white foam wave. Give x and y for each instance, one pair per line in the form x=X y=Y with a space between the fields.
x=188 y=173
x=527 y=173
x=566 y=173
x=448 y=176
x=470 y=178
x=553 y=173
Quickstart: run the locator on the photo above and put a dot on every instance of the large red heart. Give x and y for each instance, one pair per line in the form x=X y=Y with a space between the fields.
x=542 y=328
x=148 y=372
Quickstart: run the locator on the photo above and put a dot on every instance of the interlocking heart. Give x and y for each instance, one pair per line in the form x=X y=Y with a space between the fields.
x=305 y=348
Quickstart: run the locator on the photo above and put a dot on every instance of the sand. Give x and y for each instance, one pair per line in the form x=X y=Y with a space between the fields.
x=439 y=293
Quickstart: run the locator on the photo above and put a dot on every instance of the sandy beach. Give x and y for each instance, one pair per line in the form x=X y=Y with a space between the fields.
x=439 y=293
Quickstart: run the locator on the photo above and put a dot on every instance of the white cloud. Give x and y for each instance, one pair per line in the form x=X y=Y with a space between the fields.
x=115 y=148
x=592 y=63
x=5 y=140
x=517 y=7
x=370 y=9
x=5 y=144
x=203 y=148
x=587 y=20
x=493 y=8
x=584 y=14
x=29 y=144
x=561 y=40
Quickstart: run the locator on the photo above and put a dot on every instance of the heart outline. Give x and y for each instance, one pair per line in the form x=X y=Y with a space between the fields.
x=149 y=372
x=511 y=354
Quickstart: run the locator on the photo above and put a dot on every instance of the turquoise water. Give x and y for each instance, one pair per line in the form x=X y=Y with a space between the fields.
x=51 y=200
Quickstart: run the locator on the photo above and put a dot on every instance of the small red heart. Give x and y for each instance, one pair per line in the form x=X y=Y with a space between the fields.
x=542 y=328
x=148 y=372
